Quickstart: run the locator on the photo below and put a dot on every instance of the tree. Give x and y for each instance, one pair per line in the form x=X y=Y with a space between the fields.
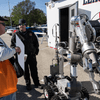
x=26 y=10
x=37 y=16
x=7 y=22
x=22 y=10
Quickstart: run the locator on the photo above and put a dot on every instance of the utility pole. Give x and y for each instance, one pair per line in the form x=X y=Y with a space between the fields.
x=10 y=14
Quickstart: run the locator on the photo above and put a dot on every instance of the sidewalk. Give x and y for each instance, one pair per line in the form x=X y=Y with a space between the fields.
x=44 y=60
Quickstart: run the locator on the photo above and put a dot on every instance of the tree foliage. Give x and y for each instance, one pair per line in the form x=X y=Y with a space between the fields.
x=37 y=16
x=26 y=10
x=7 y=22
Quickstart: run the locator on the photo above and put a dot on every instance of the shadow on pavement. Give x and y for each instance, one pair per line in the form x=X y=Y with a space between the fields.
x=23 y=94
x=88 y=86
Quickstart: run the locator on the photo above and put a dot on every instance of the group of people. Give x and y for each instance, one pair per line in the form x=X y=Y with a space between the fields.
x=31 y=44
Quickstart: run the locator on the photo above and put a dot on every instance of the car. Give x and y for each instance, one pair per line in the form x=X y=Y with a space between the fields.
x=15 y=30
x=34 y=29
x=44 y=25
x=44 y=28
x=11 y=31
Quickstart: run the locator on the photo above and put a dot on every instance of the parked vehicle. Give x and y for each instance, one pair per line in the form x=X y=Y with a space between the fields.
x=44 y=28
x=11 y=31
x=44 y=25
x=34 y=29
x=15 y=31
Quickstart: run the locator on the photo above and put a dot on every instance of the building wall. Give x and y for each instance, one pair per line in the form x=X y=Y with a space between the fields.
x=90 y=8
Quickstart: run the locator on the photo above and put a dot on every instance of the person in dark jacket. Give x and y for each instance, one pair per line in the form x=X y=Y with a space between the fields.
x=31 y=49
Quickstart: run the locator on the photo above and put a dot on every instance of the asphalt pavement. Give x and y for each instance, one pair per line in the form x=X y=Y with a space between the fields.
x=44 y=60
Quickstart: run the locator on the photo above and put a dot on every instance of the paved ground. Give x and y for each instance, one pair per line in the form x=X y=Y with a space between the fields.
x=44 y=60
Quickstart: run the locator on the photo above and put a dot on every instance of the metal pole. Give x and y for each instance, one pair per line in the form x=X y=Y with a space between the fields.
x=56 y=50
x=10 y=14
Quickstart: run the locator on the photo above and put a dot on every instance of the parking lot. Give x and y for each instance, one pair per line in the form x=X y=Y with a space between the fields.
x=44 y=60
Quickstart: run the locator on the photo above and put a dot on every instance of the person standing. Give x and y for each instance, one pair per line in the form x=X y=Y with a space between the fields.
x=31 y=49
x=8 y=78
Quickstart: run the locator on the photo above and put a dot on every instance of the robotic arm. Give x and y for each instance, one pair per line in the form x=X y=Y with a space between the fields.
x=84 y=40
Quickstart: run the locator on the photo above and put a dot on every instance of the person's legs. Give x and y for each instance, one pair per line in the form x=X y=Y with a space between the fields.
x=27 y=76
x=9 y=97
x=34 y=72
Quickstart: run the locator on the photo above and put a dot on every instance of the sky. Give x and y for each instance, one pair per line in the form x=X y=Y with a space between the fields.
x=4 y=8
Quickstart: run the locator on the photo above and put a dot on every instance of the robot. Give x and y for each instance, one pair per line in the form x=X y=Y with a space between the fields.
x=81 y=50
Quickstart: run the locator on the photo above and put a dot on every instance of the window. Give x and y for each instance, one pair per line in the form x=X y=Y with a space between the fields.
x=72 y=12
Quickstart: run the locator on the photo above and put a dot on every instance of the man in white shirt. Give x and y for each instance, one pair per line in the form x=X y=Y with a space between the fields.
x=6 y=53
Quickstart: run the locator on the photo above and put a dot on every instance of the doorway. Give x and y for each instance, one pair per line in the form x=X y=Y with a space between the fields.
x=65 y=15
x=64 y=21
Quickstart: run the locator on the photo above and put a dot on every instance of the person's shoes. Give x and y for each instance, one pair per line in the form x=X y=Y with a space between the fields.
x=39 y=86
x=28 y=87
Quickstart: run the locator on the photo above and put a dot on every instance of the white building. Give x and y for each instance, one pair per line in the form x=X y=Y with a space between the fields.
x=61 y=11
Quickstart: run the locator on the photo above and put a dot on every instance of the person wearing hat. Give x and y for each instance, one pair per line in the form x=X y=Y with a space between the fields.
x=31 y=49
x=8 y=77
